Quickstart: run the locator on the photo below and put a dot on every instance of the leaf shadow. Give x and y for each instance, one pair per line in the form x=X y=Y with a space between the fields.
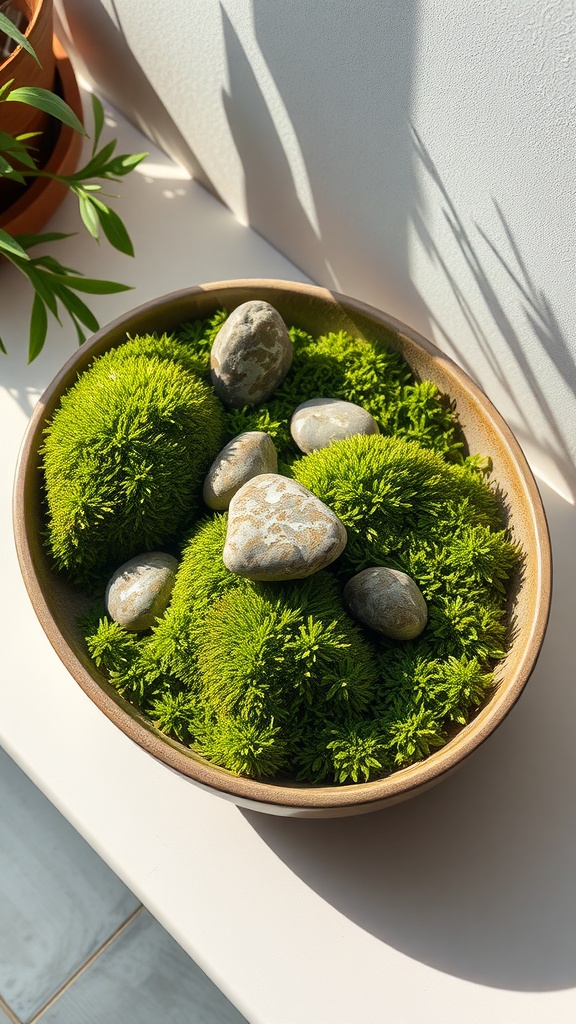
x=495 y=334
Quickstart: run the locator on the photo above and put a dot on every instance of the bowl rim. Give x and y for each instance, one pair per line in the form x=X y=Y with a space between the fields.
x=250 y=792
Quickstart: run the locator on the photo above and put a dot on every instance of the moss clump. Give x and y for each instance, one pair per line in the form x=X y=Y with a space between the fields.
x=163 y=347
x=199 y=336
x=406 y=507
x=368 y=373
x=275 y=680
x=248 y=672
x=125 y=456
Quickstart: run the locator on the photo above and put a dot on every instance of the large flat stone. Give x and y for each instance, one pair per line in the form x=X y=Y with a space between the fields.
x=279 y=530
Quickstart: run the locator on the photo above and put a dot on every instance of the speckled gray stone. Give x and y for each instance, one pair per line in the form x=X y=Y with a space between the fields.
x=318 y=422
x=279 y=530
x=139 y=591
x=251 y=354
x=387 y=601
x=244 y=457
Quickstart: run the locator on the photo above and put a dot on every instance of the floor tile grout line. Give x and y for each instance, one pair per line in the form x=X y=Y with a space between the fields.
x=84 y=967
x=9 y=1012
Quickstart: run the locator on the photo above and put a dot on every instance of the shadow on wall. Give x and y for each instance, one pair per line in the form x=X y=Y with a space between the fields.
x=326 y=152
x=270 y=198
x=102 y=49
x=476 y=876
x=495 y=332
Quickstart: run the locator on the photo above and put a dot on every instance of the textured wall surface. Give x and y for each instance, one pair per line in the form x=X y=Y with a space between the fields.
x=417 y=155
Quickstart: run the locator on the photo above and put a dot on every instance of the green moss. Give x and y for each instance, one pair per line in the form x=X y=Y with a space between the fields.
x=199 y=336
x=275 y=680
x=394 y=496
x=165 y=346
x=255 y=750
x=278 y=660
x=367 y=373
x=275 y=651
x=110 y=646
x=233 y=660
x=407 y=508
x=124 y=459
x=422 y=698
x=347 y=752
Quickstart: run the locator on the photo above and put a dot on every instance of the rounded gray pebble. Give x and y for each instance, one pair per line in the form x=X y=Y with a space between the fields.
x=243 y=458
x=139 y=591
x=279 y=530
x=317 y=423
x=251 y=355
x=387 y=601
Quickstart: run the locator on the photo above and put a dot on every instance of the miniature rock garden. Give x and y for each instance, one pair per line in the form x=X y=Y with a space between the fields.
x=297 y=568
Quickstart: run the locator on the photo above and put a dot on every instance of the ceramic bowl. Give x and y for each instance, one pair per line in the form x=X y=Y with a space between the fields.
x=58 y=604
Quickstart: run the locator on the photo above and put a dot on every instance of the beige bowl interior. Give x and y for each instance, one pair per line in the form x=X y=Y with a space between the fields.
x=316 y=310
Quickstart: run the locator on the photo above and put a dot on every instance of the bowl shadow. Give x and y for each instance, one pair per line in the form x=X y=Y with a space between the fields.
x=475 y=877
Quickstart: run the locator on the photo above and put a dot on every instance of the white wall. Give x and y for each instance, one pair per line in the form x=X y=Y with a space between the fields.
x=417 y=154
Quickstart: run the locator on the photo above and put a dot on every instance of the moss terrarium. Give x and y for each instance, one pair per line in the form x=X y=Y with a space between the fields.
x=275 y=680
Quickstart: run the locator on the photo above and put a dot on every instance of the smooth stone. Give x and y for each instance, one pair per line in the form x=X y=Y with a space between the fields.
x=279 y=530
x=139 y=591
x=387 y=601
x=317 y=423
x=244 y=457
x=251 y=354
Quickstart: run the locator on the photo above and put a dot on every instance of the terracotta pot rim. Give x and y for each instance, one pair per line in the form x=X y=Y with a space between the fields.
x=43 y=196
x=18 y=50
x=279 y=797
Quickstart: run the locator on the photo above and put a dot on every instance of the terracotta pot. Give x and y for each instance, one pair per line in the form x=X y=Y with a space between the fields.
x=29 y=209
x=17 y=118
x=58 y=604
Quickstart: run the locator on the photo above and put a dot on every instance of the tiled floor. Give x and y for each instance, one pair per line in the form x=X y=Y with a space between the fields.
x=76 y=947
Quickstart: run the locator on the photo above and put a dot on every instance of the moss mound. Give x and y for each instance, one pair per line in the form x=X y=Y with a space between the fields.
x=125 y=456
x=270 y=679
x=406 y=507
x=275 y=680
x=246 y=672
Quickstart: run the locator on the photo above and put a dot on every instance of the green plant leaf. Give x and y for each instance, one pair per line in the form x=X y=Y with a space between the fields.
x=42 y=285
x=122 y=165
x=92 y=286
x=79 y=332
x=7 y=142
x=95 y=166
x=13 y=175
x=11 y=246
x=2 y=349
x=43 y=99
x=28 y=241
x=76 y=307
x=89 y=214
x=14 y=148
x=98 y=115
x=54 y=266
x=10 y=30
x=5 y=88
x=113 y=228
x=38 y=328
